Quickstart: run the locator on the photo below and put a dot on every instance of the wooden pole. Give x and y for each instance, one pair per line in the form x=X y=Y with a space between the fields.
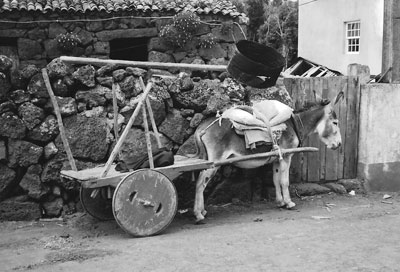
x=59 y=120
x=396 y=42
x=391 y=42
x=265 y=155
x=126 y=130
x=153 y=123
x=387 y=44
x=151 y=115
x=147 y=64
x=148 y=139
x=115 y=87
x=360 y=71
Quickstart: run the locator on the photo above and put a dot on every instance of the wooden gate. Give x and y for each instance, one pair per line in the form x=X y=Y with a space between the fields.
x=328 y=164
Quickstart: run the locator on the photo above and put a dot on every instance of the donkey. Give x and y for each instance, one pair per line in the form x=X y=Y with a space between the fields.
x=217 y=140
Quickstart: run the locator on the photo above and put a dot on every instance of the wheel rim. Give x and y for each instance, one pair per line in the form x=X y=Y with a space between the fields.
x=99 y=206
x=144 y=202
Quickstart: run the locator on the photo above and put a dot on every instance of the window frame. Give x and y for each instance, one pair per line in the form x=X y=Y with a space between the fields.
x=352 y=40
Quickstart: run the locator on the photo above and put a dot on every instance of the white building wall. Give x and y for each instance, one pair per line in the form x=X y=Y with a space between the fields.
x=322 y=32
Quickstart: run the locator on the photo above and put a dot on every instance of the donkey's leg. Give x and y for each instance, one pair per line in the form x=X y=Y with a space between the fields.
x=276 y=168
x=285 y=181
x=202 y=181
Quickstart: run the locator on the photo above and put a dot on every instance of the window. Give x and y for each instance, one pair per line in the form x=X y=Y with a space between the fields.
x=129 y=49
x=353 y=37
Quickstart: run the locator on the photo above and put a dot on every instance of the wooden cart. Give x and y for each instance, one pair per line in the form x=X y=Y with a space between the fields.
x=143 y=202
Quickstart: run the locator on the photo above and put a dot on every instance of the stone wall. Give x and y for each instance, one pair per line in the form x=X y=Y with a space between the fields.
x=32 y=154
x=36 y=42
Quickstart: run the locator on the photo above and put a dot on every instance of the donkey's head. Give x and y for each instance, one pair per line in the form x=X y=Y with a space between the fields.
x=328 y=126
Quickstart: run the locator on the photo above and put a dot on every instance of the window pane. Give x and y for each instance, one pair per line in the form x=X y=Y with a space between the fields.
x=353 y=33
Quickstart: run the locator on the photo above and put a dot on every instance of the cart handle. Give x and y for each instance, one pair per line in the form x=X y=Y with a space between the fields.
x=265 y=155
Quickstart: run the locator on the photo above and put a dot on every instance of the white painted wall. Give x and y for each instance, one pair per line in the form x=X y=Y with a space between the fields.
x=379 y=132
x=322 y=32
x=379 y=136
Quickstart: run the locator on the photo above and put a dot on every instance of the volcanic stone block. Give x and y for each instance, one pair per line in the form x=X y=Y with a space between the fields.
x=87 y=137
x=175 y=126
x=53 y=208
x=310 y=189
x=5 y=63
x=7 y=180
x=46 y=131
x=31 y=115
x=32 y=184
x=19 y=209
x=12 y=126
x=336 y=187
x=5 y=86
x=23 y=153
x=85 y=76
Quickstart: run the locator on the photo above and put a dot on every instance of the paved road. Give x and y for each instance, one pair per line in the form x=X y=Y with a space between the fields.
x=325 y=233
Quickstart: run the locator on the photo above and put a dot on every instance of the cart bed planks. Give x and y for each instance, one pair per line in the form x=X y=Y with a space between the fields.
x=91 y=177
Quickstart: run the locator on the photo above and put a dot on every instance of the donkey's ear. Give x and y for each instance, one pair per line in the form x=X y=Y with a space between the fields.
x=339 y=96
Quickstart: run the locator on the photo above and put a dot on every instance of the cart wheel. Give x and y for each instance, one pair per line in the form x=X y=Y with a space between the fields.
x=144 y=202
x=98 y=206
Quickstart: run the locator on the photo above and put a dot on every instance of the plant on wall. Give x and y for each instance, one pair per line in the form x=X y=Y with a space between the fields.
x=66 y=42
x=173 y=37
x=184 y=27
x=207 y=41
x=186 y=21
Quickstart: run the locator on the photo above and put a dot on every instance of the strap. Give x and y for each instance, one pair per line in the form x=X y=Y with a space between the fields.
x=298 y=128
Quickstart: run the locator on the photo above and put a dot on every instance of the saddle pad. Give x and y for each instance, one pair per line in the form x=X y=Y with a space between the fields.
x=254 y=137
x=272 y=110
x=255 y=131
x=242 y=117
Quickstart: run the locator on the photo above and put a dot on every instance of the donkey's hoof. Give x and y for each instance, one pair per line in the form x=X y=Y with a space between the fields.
x=280 y=204
x=200 y=222
x=199 y=218
x=290 y=205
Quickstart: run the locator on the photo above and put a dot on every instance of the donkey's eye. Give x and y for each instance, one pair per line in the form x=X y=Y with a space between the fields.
x=335 y=123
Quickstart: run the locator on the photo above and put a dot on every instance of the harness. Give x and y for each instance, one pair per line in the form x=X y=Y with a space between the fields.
x=255 y=130
x=298 y=128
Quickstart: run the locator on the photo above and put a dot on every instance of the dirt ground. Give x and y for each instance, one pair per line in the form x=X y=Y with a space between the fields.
x=325 y=233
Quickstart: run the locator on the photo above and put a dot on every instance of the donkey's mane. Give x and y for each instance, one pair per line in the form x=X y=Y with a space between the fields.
x=309 y=105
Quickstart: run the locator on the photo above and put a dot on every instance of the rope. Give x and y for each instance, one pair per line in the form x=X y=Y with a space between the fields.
x=212 y=123
x=241 y=29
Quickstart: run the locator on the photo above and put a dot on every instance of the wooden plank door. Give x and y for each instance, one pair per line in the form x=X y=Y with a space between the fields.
x=327 y=164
